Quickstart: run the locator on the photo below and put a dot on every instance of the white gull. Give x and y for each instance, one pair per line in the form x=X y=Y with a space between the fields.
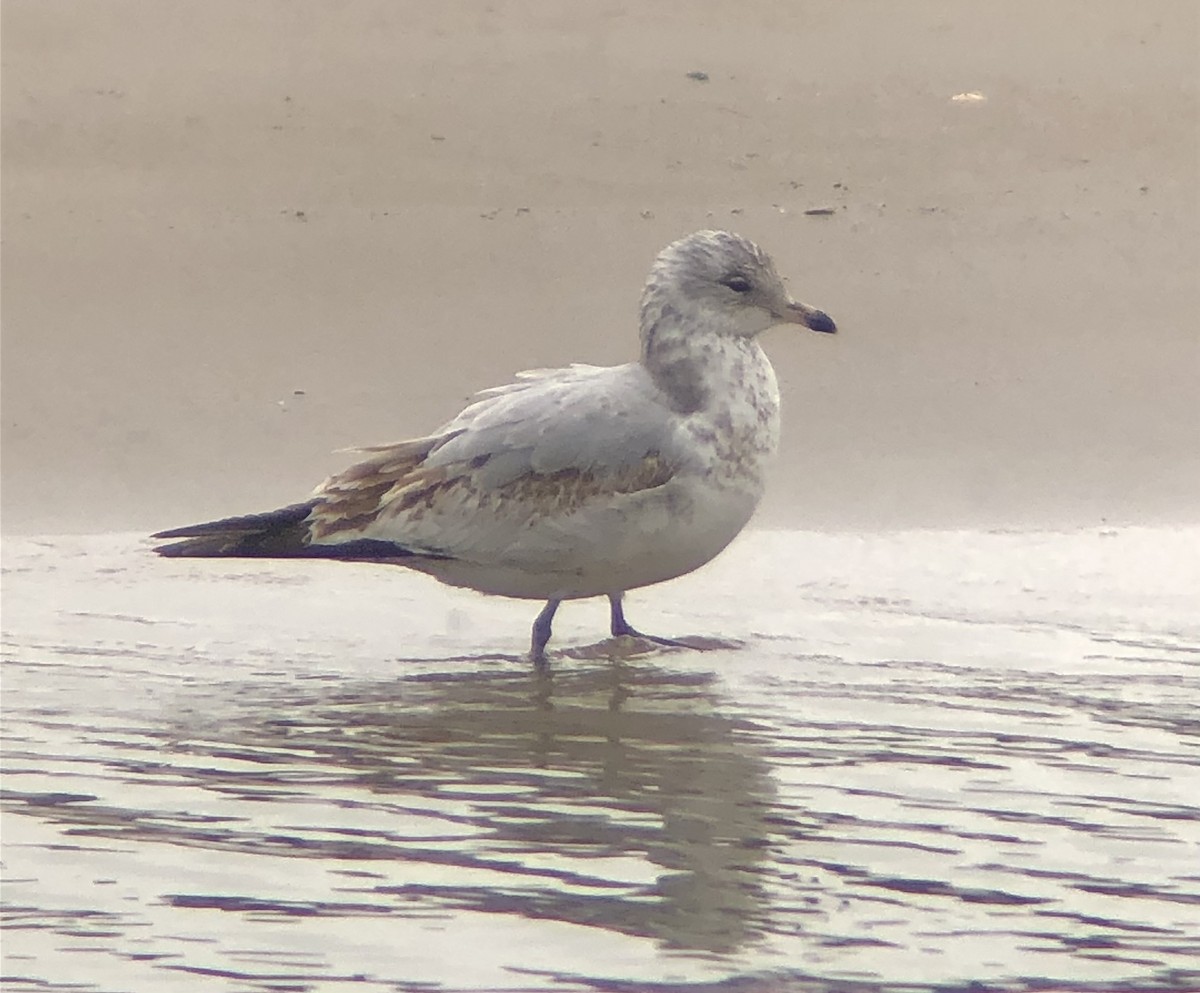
x=578 y=482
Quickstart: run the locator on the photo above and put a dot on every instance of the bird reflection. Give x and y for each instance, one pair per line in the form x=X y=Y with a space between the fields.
x=613 y=795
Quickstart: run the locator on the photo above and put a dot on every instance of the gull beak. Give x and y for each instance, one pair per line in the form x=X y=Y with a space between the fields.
x=810 y=317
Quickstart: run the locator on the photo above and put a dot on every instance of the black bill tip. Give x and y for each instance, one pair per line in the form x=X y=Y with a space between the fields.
x=818 y=320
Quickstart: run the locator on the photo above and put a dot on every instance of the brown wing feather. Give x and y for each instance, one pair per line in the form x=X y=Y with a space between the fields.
x=353 y=497
x=567 y=490
x=395 y=481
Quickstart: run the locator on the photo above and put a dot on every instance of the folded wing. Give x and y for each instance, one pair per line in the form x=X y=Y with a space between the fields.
x=513 y=465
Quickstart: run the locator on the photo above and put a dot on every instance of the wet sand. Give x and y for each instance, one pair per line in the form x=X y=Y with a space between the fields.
x=255 y=776
x=208 y=209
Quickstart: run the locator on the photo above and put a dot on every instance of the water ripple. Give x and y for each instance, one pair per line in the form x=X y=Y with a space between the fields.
x=288 y=807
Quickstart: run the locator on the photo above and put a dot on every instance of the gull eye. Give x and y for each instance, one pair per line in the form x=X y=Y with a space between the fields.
x=739 y=284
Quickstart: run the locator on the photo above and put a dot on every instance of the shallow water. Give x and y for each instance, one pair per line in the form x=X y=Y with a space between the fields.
x=925 y=760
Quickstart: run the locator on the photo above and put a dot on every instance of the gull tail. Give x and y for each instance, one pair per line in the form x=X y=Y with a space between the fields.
x=276 y=534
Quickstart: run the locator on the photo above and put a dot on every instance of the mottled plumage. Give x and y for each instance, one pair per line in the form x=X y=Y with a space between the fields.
x=577 y=482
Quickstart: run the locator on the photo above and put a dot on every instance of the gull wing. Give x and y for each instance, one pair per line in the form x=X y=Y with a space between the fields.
x=511 y=466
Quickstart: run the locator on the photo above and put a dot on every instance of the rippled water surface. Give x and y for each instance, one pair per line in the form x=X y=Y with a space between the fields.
x=900 y=762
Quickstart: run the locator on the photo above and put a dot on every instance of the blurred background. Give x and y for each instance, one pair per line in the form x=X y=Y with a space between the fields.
x=239 y=237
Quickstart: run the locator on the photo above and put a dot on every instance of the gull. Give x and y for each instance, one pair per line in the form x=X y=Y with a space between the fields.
x=569 y=483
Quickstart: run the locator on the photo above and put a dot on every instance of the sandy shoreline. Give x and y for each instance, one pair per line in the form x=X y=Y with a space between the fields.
x=208 y=210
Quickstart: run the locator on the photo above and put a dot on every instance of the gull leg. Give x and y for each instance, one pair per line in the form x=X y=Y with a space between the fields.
x=620 y=626
x=541 y=632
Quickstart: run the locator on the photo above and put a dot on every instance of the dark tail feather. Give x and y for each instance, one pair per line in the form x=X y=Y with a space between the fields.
x=276 y=534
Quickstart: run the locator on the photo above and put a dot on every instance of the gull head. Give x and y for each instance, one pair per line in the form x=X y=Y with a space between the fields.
x=721 y=283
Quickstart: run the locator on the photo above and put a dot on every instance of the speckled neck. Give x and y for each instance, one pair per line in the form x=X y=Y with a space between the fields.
x=677 y=362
